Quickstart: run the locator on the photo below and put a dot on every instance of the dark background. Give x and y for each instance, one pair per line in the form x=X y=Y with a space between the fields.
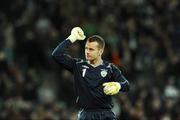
x=142 y=39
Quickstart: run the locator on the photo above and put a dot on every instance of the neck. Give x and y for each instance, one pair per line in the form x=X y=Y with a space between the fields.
x=96 y=62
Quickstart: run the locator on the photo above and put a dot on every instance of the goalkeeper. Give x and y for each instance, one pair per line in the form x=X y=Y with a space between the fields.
x=96 y=80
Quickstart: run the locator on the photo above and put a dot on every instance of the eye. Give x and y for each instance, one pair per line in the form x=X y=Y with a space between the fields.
x=91 y=49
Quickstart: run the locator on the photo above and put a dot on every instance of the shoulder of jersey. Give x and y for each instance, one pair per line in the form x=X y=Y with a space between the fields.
x=79 y=61
x=108 y=64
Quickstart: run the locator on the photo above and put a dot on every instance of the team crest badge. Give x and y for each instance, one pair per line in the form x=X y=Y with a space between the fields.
x=103 y=73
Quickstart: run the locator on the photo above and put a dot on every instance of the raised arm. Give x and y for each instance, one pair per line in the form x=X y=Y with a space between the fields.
x=59 y=53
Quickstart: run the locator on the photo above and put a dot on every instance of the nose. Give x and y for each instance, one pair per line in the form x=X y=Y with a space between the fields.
x=87 y=51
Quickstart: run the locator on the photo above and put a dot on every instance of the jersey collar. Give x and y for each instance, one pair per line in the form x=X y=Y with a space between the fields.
x=102 y=63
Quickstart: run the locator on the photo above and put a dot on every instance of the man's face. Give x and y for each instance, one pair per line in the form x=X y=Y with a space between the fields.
x=92 y=51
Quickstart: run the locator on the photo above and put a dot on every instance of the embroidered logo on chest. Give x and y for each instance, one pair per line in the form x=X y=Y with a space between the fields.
x=103 y=73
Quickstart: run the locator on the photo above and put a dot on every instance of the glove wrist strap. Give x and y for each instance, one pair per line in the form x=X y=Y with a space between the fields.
x=72 y=38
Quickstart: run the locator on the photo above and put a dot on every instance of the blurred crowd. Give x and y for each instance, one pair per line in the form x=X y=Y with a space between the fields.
x=142 y=39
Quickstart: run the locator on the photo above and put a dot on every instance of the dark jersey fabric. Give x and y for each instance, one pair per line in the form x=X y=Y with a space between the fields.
x=89 y=79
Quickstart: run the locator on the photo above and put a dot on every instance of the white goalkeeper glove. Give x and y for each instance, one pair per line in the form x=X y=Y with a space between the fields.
x=76 y=34
x=111 y=88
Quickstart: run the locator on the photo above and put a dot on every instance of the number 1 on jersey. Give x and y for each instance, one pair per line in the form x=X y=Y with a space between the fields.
x=84 y=72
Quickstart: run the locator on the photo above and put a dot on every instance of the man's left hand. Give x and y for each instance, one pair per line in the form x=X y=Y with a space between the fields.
x=111 y=88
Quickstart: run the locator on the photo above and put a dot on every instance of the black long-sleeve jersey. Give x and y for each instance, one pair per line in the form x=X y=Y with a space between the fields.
x=89 y=79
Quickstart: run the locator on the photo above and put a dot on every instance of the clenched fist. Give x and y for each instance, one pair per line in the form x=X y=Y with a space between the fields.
x=76 y=34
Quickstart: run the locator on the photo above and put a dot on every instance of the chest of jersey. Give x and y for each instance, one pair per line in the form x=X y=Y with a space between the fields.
x=94 y=76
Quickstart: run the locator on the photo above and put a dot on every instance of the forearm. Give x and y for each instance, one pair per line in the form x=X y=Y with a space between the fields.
x=119 y=77
x=125 y=86
x=60 y=56
x=61 y=49
x=76 y=34
x=59 y=53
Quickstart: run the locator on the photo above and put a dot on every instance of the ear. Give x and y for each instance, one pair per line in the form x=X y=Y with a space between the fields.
x=101 y=51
